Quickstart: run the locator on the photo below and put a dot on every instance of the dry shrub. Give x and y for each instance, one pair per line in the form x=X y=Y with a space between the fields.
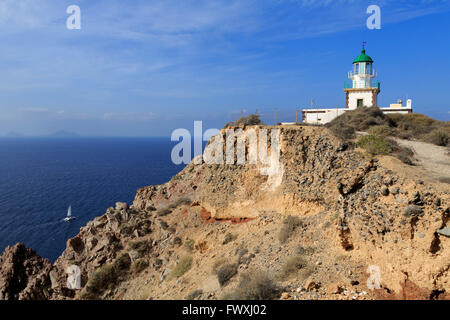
x=290 y=223
x=250 y=120
x=201 y=246
x=106 y=277
x=360 y=119
x=295 y=265
x=439 y=137
x=194 y=294
x=404 y=154
x=229 y=237
x=225 y=273
x=444 y=180
x=381 y=131
x=255 y=286
x=139 y=265
x=189 y=244
x=219 y=262
x=182 y=267
x=140 y=246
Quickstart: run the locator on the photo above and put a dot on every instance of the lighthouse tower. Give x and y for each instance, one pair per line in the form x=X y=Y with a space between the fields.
x=362 y=92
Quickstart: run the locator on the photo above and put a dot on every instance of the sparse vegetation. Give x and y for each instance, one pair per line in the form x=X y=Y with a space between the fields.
x=161 y=212
x=140 y=246
x=360 y=119
x=189 y=244
x=229 y=237
x=381 y=131
x=439 y=137
x=255 y=286
x=290 y=223
x=416 y=125
x=374 y=145
x=225 y=273
x=444 y=180
x=219 y=262
x=106 y=277
x=180 y=202
x=405 y=126
x=194 y=294
x=250 y=120
x=139 y=265
x=295 y=265
x=182 y=267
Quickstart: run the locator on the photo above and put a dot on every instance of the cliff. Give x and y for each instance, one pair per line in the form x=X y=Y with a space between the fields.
x=328 y=223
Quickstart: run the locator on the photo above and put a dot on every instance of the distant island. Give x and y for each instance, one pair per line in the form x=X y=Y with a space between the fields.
x=57 y=134
x=64 y=134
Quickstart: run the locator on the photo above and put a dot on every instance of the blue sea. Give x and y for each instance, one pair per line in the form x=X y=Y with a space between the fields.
x=41 y=177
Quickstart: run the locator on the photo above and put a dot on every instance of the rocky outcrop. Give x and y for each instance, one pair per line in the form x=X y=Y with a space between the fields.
x=24 y=275
x=356 y=213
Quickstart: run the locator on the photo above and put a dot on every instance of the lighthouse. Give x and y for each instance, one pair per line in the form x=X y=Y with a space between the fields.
x=362 y=92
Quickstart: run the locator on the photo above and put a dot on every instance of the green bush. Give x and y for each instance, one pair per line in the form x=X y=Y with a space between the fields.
x=225 y=273
x=381 y=131
x=374 y=145
x=290 y=223
x=182 y=267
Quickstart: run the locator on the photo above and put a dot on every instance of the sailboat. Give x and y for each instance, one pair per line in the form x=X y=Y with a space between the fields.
x=69 y=214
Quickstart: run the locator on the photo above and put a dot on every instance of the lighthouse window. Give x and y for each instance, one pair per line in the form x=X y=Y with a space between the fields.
x=361 y=68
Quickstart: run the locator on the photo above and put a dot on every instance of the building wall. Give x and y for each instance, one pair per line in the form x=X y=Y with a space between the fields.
x=321 y=116
x=353 y=97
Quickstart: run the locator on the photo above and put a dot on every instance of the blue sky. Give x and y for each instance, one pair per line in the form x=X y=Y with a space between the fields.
x=142 y=68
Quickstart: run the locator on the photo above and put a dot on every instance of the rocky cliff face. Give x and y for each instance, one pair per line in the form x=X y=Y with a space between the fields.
x=354 y=215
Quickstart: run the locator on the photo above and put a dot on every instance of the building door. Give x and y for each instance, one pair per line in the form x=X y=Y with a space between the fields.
x=360 y=103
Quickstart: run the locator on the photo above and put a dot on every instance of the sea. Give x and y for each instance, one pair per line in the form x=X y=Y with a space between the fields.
x=41 y=177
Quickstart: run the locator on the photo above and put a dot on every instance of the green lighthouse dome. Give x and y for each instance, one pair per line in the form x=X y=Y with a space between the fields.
x=363 y=57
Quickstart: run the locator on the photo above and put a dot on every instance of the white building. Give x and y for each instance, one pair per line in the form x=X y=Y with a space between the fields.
x=362 y=92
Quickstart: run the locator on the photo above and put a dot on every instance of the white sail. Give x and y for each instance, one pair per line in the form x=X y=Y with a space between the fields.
x=69 y=212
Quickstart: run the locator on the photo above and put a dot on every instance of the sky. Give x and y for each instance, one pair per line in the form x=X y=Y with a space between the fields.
x=145 y=68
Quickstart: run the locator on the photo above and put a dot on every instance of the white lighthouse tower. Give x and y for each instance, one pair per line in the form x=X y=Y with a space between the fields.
x=362 y=92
